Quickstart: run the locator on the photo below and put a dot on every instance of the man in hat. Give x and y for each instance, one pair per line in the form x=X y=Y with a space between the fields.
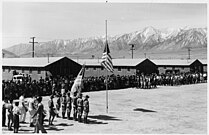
x=80 y=107
x=85 y=108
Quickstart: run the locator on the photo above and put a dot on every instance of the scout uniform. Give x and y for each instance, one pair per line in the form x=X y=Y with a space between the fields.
x=85 y=108
x=80 y=107
x=69 y=105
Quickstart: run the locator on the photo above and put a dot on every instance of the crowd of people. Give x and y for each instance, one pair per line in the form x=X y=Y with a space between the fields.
x=66 y=103
x=142 y=81
x=48 y=86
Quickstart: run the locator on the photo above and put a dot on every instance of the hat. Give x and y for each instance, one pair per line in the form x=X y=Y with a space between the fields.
x=86 y=96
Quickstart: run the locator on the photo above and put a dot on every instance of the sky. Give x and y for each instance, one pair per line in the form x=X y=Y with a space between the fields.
x=53 y=20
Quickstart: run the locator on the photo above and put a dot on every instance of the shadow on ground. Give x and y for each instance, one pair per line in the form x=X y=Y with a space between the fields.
x=143 y=110
x=64 y=124
x=104 y=117
x=25 y=131
x=90 y=121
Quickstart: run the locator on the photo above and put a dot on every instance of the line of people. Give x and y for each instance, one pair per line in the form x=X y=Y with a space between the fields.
x=16 y=110
x=16 y=113
x=77 y=104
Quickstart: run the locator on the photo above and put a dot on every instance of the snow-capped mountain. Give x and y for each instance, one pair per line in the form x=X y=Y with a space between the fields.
x=147 y=39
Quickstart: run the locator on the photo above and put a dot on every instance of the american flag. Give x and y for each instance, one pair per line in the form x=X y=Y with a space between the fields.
x=106 y=59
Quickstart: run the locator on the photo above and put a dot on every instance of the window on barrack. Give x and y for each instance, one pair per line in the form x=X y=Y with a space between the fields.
x=23 y=70
x=30 y=70
x=39 y=71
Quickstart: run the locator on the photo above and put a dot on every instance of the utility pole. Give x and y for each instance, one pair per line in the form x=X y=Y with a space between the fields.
x=48 y=57
x=3 y=55
x=144 y=55
x=132 y=49
x=189 y=50
x=33 y=42
x=77 y=58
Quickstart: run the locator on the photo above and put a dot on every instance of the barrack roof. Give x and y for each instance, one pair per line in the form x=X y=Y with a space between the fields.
x=203 y=61
x=116 y=62
x=173 y=62
x=43 y=61
x=29 y=62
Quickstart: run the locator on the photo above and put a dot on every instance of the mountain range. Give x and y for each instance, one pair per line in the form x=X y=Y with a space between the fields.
x=146 y=41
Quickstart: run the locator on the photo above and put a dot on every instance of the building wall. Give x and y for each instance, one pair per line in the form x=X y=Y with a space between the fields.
x=34 y=72
x=100 y=71
x=124 y=71
x=205 y=68
x=196 y=66
x=6 y=74
x=182 y=69
x=64 y=67
x=146 y=67
x=94 y=71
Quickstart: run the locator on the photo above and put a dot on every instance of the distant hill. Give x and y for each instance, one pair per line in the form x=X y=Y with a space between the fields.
x=149 y=42
x=7 y=54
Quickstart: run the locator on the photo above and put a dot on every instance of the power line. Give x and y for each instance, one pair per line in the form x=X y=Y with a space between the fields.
x=189 y=50
x=144 y=55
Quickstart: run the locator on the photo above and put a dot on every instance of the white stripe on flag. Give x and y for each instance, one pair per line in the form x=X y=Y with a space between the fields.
x=107 y=62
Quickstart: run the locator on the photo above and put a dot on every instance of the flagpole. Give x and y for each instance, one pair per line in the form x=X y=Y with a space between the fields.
x=106 y=73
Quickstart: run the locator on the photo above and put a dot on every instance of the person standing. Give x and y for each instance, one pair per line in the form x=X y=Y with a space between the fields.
x=10 y=115
x=58 y=105
x=31 y=109
x=51 y=110
x=22 y=109
x=80 y=107
x=69 y=105
x=39 y=115
x=4 y=113
x=85 y=109
x=63 y=89
x=63 y=105
x=53 y=89
x=74 y=100
x=16 y=112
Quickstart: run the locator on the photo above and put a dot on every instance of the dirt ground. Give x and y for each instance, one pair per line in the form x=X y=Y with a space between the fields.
x=165 y=110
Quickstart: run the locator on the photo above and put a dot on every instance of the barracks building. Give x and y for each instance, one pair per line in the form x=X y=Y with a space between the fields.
x=64 y=66
x=178 y=66
x=121 y=67
x=39 y=67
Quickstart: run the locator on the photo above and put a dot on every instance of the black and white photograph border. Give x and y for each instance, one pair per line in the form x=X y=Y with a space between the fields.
x=104 y=67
